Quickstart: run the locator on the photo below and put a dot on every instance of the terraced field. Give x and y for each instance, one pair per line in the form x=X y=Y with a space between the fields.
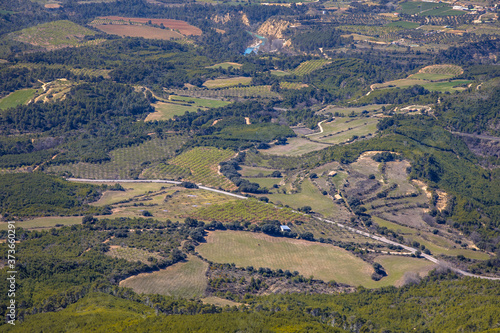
x=345 y=129
x=126 y=163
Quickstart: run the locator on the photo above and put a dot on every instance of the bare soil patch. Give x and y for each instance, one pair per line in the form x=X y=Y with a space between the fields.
x=138 y=31
x=183 y=27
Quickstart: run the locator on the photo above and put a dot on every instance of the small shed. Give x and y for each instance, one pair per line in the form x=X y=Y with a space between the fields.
x=285 y=228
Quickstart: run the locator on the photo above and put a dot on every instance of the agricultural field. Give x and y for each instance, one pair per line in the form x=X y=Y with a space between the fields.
x=53 y=35
x=179 y=105
x=247 y=171
x=259 y=250
x=249 y=210
x=203 y=162
x=450 y=86
x=309 y=67
x=132 y=254
x=295 y=147
x=293 y=85
x=17 y=98
x=372 y=108
x=131 y=191
x=45 y=222
x=226 y=65
x=279 y=73
x=181 y=26
x=403 y=24
x=126 y=163
x=436 y=243
x=308 y=195
x=126 y=30
x=397 y=266
x=230 y=93
x=54 y=90
x=183 y=279
x=229 y=82
x=265 y=181
x=437 y=72
x=345 y=129
x=428 y=9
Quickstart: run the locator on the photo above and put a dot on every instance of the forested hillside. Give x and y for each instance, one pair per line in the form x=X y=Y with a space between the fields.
x=243 y=166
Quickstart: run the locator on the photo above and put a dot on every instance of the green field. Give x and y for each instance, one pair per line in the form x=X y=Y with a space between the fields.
x=203 y=163
x=225 y=83
x=428 y=9
x=343 y=129
x=132 y=254
x=279 y=73
x=403 y=24
x=295 y=147
x=435 y=243
x=397 y=266
x=179 y=105
x=125 y=162
x=184 y=279
x=45 y=222
x=226 y=65
x=247 y=171
x=351 y=110
x=265 y=181
x=234 y=92
x=325 y=262
x=17 y=98
x=309 y=195
x=310 y=66
x=54 y=34
x=250 y=210
x=444 y=86
x=293 y=85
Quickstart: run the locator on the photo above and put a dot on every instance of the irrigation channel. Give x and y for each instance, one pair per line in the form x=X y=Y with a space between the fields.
x=360 y=232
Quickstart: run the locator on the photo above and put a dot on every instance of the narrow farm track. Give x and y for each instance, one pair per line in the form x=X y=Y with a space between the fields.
x=341 y=225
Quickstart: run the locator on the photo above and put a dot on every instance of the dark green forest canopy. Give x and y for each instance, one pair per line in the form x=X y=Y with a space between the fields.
x=37 y=194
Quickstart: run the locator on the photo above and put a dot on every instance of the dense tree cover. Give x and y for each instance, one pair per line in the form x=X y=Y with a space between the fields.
x=472 y=112
x=37 y=194
x=59 y=266
x=322 y=37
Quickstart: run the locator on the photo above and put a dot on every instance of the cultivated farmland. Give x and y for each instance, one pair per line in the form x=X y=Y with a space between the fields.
x=132 y=254
x=126 y=30
x=184 y=279
x=203 y=162
x=231 y=93
x=259 y=250
x=182 y=26
x=54 y=35
x=246 y=210
x=17 y=98
x=309 y=66
x=230 y=82
x=125 y=163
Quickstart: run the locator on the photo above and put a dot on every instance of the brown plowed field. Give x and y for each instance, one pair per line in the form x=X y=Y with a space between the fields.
x=138 y=31
x=184 y=27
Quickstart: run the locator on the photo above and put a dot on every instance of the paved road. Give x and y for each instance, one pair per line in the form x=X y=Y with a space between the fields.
x=360 y=232
x=408 y=248
x=84 y=180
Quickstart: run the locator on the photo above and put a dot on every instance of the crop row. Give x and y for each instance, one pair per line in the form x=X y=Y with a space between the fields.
x=203 y=163
x=243 y=92
x=132 y=254
x=309 y=66
x=125 y=162
x=247 y=210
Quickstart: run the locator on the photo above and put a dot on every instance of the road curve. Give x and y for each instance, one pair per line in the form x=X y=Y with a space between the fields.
x=360 y=232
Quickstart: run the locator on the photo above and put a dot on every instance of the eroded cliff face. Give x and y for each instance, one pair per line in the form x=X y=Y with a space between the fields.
x=223 y=19
x=273 y=28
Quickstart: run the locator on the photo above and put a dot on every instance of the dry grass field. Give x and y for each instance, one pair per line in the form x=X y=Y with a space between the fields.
x=131 y=254
x=224 y=83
